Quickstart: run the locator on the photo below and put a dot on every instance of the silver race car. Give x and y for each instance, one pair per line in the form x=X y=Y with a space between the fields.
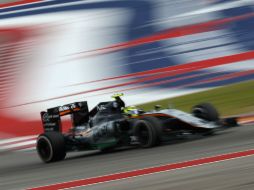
x=110 y=125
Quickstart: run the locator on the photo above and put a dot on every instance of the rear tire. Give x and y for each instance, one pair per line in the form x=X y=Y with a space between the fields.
x=51 y=147
x=206 y=111
x=147 y=131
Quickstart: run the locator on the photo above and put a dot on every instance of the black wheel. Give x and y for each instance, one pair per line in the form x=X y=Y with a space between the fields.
x=206 y=111
x=146 y=131
x=51 y=147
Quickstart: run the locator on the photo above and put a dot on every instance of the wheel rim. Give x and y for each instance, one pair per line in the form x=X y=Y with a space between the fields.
x=44 y=149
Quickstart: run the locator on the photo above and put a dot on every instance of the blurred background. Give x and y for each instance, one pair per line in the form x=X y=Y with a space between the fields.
x=54 y=52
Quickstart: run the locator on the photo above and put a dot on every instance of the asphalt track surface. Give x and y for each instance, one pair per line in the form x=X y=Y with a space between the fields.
x=21 y=170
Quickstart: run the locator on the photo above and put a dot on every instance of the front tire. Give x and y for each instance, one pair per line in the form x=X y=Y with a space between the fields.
x=206 y=111
x=51 y=147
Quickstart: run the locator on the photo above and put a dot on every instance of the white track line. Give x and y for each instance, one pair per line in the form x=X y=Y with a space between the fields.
x=16 y=139
x=17 y=145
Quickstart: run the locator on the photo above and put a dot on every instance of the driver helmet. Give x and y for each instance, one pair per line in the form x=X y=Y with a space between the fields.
x=131 y=110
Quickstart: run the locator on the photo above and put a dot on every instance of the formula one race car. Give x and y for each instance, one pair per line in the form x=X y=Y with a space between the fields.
x=111 y=124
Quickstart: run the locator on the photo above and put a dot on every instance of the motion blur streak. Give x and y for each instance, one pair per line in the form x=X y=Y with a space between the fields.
x=146 y=171
x=17 y=143
x=224 y=77
x=173 y=33
x=187 y=67
x=15 y=3
x=172 y=71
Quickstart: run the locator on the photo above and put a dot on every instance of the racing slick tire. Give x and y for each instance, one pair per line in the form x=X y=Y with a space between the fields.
x=206 y=111
x=51 y=147
x=146 y=131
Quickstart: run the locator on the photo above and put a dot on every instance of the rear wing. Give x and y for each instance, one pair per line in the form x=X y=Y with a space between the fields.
x=51 y=119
